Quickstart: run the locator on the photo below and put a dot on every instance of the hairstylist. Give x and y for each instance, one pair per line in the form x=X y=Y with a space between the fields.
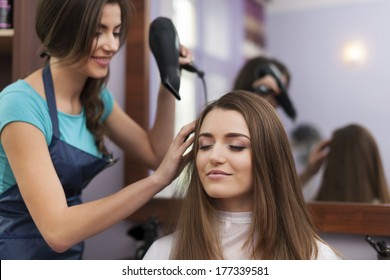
x=52 y=129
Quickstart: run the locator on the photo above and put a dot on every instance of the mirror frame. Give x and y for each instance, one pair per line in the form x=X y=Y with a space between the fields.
x=328 y=217
x=351 y=218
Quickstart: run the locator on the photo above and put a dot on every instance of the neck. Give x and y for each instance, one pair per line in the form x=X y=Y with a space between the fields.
x=68 y=82
x=68 y=85
x=233 y=205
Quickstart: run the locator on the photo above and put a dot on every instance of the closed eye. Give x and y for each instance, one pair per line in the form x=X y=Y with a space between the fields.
x=237 y=148
x=204 y=147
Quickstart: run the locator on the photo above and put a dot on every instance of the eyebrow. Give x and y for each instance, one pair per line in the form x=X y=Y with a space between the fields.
x=229 y=135
x=105 y=26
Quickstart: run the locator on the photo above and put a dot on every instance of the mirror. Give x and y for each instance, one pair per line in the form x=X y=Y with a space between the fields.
x=331 y=90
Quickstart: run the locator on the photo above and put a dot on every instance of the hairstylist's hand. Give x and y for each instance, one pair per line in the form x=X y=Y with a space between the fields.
x=269 y=82
x=185 y=56
x=174 y=160
x=316 y=159
x=318 y=155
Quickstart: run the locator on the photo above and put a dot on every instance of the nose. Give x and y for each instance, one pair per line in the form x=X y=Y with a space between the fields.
x=110 y=43
x=216 y=156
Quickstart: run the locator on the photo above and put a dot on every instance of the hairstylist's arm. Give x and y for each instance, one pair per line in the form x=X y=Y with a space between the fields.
x=147 y=146
x=64 y=226
x=316 y=159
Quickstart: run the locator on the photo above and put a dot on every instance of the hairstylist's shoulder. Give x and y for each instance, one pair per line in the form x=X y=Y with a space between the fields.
x=19 y=102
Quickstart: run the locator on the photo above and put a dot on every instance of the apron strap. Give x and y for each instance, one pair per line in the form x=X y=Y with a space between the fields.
x=51 y=99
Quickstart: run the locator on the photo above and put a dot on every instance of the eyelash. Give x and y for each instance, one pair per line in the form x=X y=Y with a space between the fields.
x=233 y=148
x=204 y=147
x=116 y=34
x=237 y=148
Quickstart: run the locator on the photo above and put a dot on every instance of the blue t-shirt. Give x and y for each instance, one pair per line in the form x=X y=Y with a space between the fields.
x=19 y=102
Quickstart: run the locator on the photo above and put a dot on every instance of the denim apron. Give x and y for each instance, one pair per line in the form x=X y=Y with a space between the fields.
x=19 y=237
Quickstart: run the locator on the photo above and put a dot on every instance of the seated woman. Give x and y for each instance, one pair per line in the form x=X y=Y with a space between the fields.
x=354 y=171
x=243 y=198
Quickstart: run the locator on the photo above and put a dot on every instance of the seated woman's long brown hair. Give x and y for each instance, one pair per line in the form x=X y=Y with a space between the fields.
x=281 y=226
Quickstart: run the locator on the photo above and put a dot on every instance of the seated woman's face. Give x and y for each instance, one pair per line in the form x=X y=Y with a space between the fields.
x=224 y=160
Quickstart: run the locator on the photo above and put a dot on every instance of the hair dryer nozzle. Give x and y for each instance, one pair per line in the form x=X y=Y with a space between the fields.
x=172 y=88
x=165 y=46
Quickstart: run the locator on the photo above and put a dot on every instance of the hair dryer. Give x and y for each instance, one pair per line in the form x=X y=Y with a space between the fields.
x=282 y=97
x=165 y=45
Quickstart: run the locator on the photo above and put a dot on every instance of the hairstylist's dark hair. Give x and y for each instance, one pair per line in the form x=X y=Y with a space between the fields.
x=247 y=74
x=67 y=29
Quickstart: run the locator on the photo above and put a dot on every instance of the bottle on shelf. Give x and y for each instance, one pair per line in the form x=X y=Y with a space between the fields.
x=5 y=14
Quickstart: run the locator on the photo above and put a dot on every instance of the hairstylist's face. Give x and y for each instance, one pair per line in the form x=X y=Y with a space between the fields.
x=106 y=42
x=224 y=160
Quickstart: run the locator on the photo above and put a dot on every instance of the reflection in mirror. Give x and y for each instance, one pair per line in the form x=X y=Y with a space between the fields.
x=328 y=91
x=353 y=169
x=304 y=138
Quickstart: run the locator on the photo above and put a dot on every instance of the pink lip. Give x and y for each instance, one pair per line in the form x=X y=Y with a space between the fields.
x=102 y=61
x=217 y=174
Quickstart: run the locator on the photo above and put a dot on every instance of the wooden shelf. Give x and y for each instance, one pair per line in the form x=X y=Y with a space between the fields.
x=19 y=47
x=6 y=38
x=6 y=32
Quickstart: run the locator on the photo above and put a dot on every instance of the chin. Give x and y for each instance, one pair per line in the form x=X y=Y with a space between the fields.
x=96 y=72
x=215 y=193
x=100 y=75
